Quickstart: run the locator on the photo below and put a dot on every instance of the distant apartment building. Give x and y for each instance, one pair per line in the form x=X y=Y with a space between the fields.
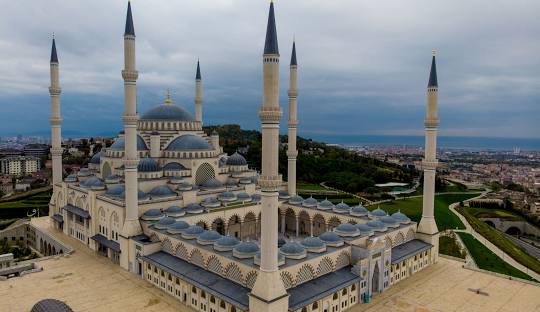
x=19 y=165
x=36 y=150
x=6 y=152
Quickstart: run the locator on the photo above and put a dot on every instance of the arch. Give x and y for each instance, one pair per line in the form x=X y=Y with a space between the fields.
x=251 y=278
x=106 y=170
x=490 y=223
x=232 y=272
x=375 y=279
x=197 y=258
x=325 y=266
x=306 y=273
x=398 y=239
x=213 y=264
x=333 y=223
x=342 y=260
x=181 y=251
x=218 y=225
x=513 y=230
x=59 y=199
x=53 y=250
x=202 y=224
x=290 y=221
x=249 y=227
x=167 y=246
x=204 y=173
x=410 y=235
x=287 y=279
x=304 y=222
x=319 y=224
x=234 y=226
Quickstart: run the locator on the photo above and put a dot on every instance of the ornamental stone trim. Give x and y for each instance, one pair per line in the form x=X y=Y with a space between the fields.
x=430 y=164
x=55 y=121
x=271 y=114
x=130 y=75
x=431 y=123
x=130 y=119
x=270 y=183
x=293 y=154
x=55 y=90
x=130 y=163
x=293 y=93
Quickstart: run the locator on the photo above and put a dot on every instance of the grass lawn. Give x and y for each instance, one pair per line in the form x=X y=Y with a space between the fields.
x=449 y=246
x=412 y=207
x=486 y=260
x=309 y=186
x=494 y=213
x=499 y=240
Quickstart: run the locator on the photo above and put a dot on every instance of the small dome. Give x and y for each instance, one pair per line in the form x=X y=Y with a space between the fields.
x=161 y=191
x=208 y=237
x=231 y=182
x=245 y=250
x=212 y=184
x=364 y=228
x=189 y=142
x=148 y=165
x=112 y=179
x=93 y=183
x=256 y=197
x=174 y=166
x=309 y=202
x=194 y=208
x=283 y=194
x=167 y=111
x=347 y=229
x=236 y=160
x=342 y=208
x=211 y=202
x=331 y=239
x=245 y=181
x=377 y=225
x=227 y=196
x=325 y=205
x=175 y=211
x=50 y=305
x=152 y=214
x=314 y=244
x=184 y=187
x=243 y=196
x=359 y=211
x=378 y=212
x=84 y=172
x=119 y=144
x=226 y=243
x=389 y=221
x=71 y=178
x=192 y=232
x=293 y=250
x=296 y=200
x=402 y=218
x=164 y=223
x=177 y=227
x=96 y=159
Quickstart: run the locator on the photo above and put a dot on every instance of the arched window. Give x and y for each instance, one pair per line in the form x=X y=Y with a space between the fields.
x=353 y=287
x=193 y=289
x=315 y=305
x=222 y=304
x=344 y=292
x=335 y=296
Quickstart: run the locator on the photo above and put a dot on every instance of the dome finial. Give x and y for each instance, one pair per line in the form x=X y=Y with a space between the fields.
x=168 y=97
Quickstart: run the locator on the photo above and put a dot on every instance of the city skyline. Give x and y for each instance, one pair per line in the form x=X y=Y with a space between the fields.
x=365 y=78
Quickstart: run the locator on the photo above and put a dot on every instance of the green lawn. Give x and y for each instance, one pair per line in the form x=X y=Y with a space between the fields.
x=486 y=260
x=494 y=213
x=449 y=246
x=412 y=207
x=309 y=186
x=498 y=239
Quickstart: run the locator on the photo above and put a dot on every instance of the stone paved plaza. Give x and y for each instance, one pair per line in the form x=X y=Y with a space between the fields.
x=91 y=283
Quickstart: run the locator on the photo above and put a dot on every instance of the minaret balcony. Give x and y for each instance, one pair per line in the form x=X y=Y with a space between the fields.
x=270 y=114
x=55 y=90
x=130 y=119
x=55 y=121
x=292 y=154
x=430 y=164
x=270 y=183
x=293 y=93
x=130 y=75
x=431 y=122
x=57 y=151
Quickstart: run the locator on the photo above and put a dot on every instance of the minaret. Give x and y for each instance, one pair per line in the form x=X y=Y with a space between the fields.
x=268 y=293
x=131 y=157
x=56 y=119
x=292 y=153
x=427 y=229
x=198 y=94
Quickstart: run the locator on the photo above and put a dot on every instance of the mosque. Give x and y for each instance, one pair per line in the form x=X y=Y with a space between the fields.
x=165 y=203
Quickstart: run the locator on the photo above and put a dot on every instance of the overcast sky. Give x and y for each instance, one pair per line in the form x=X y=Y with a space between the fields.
x=363 y=65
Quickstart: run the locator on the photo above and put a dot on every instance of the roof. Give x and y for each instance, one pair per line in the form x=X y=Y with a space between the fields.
x=201 y=278
x=433 y=74
x=58 y=218
x=189 y=142
x=271 y=42
x=198 y=75
x=77 y=211
x=293 y=55
x=167 y=111
x=50 y=305
x=106 y=242
x=54 y=56
x=313 y=290
x=130 y=30
x=119 y=144
x=408 y=249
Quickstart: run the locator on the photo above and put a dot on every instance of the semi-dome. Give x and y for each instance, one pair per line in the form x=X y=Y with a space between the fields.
x=161 y=191
x=226 y=243
x=245 y=250
x=227 y=196
x=184 y=187
x=377 y=225
x=174 y=166
x=164 y=223
x=208 y=237
x=211 y=202
x=309 y=202
x=364 y=229
x=167 y=111
x=296 y=200
x=192 y=232
x=342 y=208
x=243 y=196
x=236 y=160
x=314 y=244
x=71 y=178
x=175 y=212
x=189 y=142
x=50 y=305
x=347 y=230
x=96 y=159
x=212 y=183
x=152 y=214
x=293 y=250
x=359 y=211
x=283 y=194
x=194 y=208
x=148 y=164
x=119 y=144
x=325 y=205
x=331 y=239
x=378 y=212
x=177 y=227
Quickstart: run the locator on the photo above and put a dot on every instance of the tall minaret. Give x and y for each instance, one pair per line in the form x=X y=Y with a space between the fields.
x=56 y=119
x=268 y=293
x=198 y=94
x=131 y=157
x=427 y=229
x=292 y=153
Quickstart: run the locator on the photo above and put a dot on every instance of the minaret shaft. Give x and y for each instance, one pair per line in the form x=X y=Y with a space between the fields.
x=292 y=152
x=198 y=100
x=56 y=119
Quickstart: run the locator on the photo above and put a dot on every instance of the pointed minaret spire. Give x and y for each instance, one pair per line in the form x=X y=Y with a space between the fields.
x=54 y=56
x=198 y=95
x=198 y=75
x=433 y=73
x=130 y=30
x=271 y=43
x=293 y=55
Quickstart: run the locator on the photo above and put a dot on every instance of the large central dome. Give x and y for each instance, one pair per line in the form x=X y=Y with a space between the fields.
x=167 y=111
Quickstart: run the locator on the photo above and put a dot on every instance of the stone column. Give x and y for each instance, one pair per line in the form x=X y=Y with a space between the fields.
x=297 y=227
x=283 y=224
